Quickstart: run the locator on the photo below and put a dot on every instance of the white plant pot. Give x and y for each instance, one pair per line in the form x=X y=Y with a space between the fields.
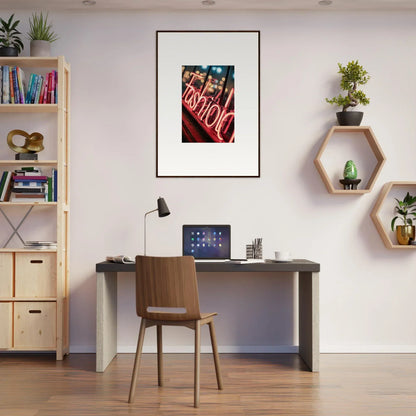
x=40 y=48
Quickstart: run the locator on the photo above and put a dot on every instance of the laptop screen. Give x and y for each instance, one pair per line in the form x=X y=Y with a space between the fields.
x=207 y=241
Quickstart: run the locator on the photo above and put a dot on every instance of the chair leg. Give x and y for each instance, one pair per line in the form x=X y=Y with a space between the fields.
x=215 y=353
x=197 y=362
x=137 y=360
x=159 y=355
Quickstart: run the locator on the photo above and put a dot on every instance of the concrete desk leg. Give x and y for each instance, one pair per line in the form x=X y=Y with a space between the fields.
x=309 y=319
x=106 y=341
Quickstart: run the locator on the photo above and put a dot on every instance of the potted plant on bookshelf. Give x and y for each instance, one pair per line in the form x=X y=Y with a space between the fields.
x=352 y=76
x=406 y=210
x=10 y=42
x=41 y=35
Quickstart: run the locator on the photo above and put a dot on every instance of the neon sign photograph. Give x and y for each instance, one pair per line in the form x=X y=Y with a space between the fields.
x=207 y=103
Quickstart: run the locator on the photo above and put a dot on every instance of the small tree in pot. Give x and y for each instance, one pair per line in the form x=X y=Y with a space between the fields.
x=353 y=75
x=407 y=213
x=10 y=42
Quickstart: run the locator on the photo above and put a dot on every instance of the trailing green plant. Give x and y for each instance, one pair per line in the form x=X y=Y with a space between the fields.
x=40 y=28
x=406 y=210
x=353 y=75
x=9 y=35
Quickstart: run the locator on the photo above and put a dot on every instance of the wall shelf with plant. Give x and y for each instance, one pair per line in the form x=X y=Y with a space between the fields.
x=368 y=141
x=395 y=200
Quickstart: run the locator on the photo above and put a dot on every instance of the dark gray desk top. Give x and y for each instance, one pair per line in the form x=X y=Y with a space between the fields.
x=297 y=265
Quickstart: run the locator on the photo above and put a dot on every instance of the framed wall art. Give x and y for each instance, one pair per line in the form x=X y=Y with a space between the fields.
x=208 y=104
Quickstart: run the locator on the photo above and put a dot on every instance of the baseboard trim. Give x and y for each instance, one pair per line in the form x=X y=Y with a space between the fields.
x=368 y=349
x=255 y=349
x=245 y=349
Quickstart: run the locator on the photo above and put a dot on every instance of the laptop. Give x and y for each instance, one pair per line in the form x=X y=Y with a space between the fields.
x=207 y=242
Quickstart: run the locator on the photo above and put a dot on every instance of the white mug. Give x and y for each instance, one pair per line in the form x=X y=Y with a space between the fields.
x=282 y=255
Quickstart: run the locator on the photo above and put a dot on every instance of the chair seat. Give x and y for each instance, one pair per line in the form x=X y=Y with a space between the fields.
x=206 y=316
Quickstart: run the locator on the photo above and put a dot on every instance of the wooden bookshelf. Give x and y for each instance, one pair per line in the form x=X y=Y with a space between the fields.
x=34 y=284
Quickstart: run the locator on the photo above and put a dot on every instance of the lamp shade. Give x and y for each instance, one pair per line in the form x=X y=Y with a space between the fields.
x=162 y=208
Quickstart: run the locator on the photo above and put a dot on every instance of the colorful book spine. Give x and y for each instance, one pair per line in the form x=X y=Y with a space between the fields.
x=29 y=88
x=38 y=178
x=15 y=86
x=21 y=82
x=55 y=185
x=50 y=89
x=6 y=191
x=50 y=189
x=36 y=85
x=2 y=180
x=38 y=89
x=11 y=85
x=55 y=74
x=6 y=88
x=45 y=92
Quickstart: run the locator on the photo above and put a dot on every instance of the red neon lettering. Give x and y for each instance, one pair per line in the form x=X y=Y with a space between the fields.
x=212 y=115
x=220 y=125
x=209 y=114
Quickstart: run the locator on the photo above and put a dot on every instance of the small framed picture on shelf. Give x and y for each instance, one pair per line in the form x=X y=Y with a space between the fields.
x=208 y=95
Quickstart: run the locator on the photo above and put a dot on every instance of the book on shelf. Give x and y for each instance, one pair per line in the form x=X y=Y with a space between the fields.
x=6 y=186
x=28 y=184
x=27 y=197
x=28 y=189
x=40 y=89
x=54 y=185
x=5 y=85
x=40 y=245
x=30 y=178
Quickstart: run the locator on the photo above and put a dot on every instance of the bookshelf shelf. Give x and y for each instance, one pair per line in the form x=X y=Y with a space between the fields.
x=29 y=204
x=11 y=163
x=28 y=108
x=33 y=279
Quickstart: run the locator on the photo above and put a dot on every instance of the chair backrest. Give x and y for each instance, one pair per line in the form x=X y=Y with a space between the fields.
x=166 y=282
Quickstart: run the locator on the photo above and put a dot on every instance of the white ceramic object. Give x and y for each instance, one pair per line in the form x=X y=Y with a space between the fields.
x=282 y=256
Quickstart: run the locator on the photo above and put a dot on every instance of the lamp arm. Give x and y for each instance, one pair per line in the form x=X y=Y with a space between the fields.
x=145 y=215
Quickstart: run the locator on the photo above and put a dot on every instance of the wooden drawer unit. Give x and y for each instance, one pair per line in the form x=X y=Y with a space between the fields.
x=35 y=275
x=6 y=326
x=6 y=275
x=35 y=325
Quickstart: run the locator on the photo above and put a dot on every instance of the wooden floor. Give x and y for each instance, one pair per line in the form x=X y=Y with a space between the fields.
x=254 y=384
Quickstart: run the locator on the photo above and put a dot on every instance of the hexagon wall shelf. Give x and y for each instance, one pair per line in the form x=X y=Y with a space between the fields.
x=374 y=146
x=375 y=214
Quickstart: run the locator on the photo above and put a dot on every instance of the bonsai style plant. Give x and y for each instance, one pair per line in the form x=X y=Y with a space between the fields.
x=352 y=76
x=407 y=213
x=41 y=35
x=10 y=42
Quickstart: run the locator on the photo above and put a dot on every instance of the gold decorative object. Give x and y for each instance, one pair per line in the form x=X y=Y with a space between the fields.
x=33 y=142
x=404 y=233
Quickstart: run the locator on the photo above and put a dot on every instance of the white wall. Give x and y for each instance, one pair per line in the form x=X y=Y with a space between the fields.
x=366 y=291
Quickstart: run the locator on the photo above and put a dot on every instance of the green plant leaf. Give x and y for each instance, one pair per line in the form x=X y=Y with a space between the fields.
x=393 y=221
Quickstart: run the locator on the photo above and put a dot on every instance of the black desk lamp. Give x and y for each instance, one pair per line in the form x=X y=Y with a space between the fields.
x=163 y=211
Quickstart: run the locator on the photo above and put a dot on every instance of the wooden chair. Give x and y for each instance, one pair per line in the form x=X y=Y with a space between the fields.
x=167 y=294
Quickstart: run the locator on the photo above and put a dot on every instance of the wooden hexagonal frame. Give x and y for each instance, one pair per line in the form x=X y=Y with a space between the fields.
x=375 y=148
x=375 y=214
